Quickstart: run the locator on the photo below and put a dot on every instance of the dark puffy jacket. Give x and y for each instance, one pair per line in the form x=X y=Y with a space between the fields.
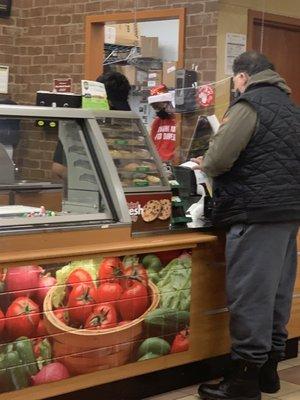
x=264 y=183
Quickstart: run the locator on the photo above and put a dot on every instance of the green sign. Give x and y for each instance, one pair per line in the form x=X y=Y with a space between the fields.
x=95 y=103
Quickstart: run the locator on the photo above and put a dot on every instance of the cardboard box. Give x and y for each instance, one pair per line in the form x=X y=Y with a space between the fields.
x=141 y=77
x=169 y=69
x=130 y=72
x=122 y=34
x=154 y=77
x=149 y=46
x=135 y=76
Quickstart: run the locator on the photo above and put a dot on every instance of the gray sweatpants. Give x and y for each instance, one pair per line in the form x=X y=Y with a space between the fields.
x=261 y=269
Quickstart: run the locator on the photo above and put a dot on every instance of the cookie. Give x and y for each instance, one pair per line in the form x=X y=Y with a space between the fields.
x=153 y=180
x=151 y=210
x=166 y=208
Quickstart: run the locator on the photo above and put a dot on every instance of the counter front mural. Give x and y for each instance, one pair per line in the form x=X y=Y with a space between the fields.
x=62 y=320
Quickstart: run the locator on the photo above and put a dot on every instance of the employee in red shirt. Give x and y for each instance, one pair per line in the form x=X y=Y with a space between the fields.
x=163 y=129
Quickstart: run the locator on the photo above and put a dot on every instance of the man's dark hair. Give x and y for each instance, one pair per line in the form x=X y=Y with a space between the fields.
x=251 y=62
x=116 y=85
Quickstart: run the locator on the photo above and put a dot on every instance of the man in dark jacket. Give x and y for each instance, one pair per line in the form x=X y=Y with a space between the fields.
x=254 y=160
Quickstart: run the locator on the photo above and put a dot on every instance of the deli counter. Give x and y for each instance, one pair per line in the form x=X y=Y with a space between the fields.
x=83 y=302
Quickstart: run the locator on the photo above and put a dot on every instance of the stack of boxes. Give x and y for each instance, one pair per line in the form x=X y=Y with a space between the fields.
x=128 y=35
x=135 y=76
x=169 y=73
x=121 y=34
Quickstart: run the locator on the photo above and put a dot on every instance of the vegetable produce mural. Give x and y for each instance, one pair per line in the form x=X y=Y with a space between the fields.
x=58 y=321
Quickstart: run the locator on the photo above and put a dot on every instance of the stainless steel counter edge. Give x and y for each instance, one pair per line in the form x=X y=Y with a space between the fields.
x=60 y=112
x=30 y=185
x=21 y=230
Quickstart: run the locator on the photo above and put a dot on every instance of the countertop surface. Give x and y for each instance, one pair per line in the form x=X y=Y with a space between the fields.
x=26 y=184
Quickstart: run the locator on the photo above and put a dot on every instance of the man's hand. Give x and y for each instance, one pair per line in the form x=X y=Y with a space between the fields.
x=199 y=161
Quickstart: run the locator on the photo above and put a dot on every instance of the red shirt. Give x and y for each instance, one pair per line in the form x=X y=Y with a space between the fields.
x=163 y=134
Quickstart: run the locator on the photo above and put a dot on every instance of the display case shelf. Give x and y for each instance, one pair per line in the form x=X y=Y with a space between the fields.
x=141 y=160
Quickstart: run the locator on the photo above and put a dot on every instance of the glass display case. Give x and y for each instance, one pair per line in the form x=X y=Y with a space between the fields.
x=90 y=191
x=144 y=181
x=134 y=155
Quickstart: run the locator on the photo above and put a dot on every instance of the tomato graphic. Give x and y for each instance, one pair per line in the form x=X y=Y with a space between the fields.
x=63 y=315
x=134 y=301
x=41 y=329
x=79 y=275
x=2 y=321
x=109 y=292
x=104 y=316
x=111 y=269
x=180 y=342
x=81 y=301
x=22 y=318
x=136 y=273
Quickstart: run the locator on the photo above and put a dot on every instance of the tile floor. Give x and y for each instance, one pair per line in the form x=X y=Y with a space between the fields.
x=290 y=385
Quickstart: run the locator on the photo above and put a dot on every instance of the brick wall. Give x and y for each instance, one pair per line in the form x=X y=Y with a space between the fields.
x=9 y=34
x=44 y=39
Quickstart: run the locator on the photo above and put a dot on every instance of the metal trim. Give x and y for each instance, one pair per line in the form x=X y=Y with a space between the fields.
x=84 y=226
x=62 y=112
x=15 y=221
x=114 y=114
x=217 y=311
x=51 y=112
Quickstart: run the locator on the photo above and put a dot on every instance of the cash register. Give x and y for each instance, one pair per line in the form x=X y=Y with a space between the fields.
x=194 y=185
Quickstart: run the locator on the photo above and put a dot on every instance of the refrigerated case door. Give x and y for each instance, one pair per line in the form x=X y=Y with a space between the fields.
x=92 y=192
x=134 y=155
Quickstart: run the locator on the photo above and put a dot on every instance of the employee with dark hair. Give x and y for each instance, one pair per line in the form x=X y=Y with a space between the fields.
x=254 y=160
x=117 y=89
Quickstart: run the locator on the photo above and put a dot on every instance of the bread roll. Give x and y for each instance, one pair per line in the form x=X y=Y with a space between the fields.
x=131 y=167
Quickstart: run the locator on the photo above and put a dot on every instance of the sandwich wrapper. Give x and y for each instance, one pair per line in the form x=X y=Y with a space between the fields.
x=196 y=211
